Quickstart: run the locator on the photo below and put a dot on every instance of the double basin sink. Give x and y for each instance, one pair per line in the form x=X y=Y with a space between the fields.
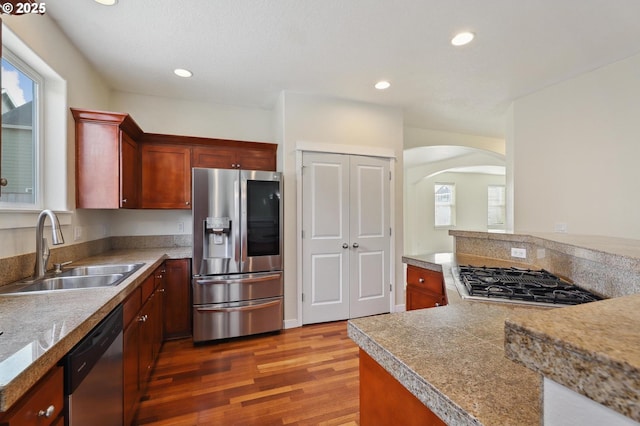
x=76 y=278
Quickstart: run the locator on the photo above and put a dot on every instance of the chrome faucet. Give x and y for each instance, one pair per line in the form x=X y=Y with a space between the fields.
x=42 y=248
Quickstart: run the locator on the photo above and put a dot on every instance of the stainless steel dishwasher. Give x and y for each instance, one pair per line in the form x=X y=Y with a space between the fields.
x=93 y=376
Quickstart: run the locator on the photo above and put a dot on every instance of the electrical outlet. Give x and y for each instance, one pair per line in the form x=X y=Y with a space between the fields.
x=560 y=227
x=519 y=252
x=77 y=233
x=180 y=227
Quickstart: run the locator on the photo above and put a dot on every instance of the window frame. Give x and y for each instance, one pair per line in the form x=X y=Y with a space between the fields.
x=38 y=121
x=452 y=205
x=503 y=206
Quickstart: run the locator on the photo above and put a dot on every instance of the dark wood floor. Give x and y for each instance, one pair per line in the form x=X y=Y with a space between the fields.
x=301 y=376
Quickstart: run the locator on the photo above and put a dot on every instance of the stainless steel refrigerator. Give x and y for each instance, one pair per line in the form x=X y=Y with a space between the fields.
x=237 y=253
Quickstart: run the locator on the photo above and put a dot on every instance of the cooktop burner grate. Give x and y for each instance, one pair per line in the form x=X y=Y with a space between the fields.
x=517 y=284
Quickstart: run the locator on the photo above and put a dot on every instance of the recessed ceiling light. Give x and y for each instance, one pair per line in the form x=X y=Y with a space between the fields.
x=107 y=2
x=181 y=72
x=381 y=85
x=462 y=38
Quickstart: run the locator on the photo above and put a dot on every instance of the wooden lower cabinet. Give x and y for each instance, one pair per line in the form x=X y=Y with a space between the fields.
x=43 y=405
x=384 y=401
x=425 y=288
x=142 y=339
x=177 y=299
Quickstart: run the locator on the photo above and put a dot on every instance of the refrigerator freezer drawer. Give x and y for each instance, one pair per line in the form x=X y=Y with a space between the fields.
x=224 y=320
x=235 y=288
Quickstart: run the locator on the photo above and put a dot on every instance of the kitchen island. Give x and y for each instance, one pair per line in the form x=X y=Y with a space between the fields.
x=451 y=358
x=40 y=328
x=458 y=361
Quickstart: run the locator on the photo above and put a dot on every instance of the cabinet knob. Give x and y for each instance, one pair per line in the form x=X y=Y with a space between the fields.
x=187 y=202
x=142 y=318
x=437 y=304
x=48 y=412
x=421 y=280
x=161 y=290
x=124 y=200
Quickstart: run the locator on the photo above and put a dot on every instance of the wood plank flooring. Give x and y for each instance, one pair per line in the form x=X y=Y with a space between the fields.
x=301 y=376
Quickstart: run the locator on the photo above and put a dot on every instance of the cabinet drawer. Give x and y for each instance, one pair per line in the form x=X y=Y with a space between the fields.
x=424 y=278
x=42 y=405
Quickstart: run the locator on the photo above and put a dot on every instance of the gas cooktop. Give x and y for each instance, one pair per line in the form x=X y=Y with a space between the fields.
x=529 y=286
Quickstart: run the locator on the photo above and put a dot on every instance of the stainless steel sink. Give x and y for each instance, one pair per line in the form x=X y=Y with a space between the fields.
x=81 y=277
x=103 y=269
x=69 y=282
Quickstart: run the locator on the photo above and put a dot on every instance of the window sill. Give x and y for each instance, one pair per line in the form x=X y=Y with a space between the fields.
x=13 y=219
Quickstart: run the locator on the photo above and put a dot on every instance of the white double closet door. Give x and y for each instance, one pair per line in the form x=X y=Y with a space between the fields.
x=346 y=237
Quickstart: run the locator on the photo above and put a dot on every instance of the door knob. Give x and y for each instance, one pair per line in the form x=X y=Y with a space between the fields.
x=345 y=245
x=356 y=245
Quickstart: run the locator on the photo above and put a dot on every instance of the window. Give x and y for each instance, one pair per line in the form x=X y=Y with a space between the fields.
x=496 y=195
x=445 y=204
x=21 y=89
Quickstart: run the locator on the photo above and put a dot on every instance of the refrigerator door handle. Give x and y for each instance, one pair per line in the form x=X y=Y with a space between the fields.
x=245 y=280
x=241 y=308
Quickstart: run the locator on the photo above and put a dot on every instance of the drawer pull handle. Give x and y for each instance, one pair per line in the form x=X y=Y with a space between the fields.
x=421 y=280
x=48 y=412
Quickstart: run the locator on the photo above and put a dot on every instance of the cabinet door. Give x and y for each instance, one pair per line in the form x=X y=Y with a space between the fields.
x=419 y=298
x=234 y=158
x=128 y=172
x=131 y=364
x=177 y=299
x=97 y=165
x=158 y=311
x=256 y=159
x=214 y=157
x=166 y=177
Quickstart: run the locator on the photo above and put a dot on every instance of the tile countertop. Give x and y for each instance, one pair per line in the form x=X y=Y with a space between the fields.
x=40 y=328
x=592 y=349
x=453 y=357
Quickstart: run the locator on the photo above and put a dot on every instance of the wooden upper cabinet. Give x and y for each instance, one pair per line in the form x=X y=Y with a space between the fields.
x=120 y=166
x=166 y=176
x=240 y=155
x=106 y=160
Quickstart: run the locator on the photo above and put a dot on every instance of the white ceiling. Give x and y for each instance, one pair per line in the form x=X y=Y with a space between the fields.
x=245 y=52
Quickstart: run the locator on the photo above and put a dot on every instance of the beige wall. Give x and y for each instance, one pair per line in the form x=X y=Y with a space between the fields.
x=575 y=151
x=415 y=137
x=471 y=210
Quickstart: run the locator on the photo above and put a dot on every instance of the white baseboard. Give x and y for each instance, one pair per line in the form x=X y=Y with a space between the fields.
x=400 y=308
x=291 y=323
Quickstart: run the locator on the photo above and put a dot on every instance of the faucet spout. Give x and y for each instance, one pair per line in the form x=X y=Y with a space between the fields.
x=42 y=249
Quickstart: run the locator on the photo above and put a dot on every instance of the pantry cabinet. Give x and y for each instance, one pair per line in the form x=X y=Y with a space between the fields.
x=425 y=288
x=120 y=166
